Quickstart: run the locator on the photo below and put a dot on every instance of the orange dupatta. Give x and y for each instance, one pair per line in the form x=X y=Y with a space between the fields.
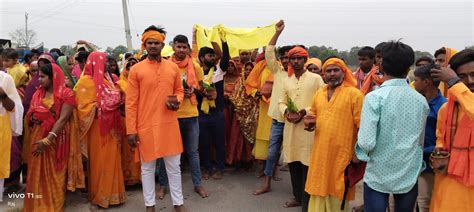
x=370 y=80
x=461 y=163
x=191 y=79
x=253 y=82
x=450 y=52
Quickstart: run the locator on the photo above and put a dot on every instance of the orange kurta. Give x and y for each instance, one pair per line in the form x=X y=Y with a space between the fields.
x=106 y=184
x=449 y=194
x=149 y=84
x=337 y=121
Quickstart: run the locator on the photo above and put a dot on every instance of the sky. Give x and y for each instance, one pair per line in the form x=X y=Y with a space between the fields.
x=342 y=24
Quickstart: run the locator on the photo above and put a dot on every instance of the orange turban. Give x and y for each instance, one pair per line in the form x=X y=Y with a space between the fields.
x=314 y=61
x=152 y=34
x=296 y=51
x=349 y=79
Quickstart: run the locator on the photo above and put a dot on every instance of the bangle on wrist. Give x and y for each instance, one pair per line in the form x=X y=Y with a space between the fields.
x=53 y=134
x=46 y=141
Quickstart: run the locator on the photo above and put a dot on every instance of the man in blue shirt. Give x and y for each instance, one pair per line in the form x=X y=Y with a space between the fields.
x=427 y=87
x=391 y=134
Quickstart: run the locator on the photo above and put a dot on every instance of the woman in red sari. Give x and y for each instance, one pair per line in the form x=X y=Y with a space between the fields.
x=48 y=117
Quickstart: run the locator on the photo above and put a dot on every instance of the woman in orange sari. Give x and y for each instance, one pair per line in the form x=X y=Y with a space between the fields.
x=48 y=117
x=131 y=169
x=101 y=130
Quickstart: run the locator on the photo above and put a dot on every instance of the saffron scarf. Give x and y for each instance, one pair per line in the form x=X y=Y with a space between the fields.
x=461 y=163
x=371 y=79
x=191 y=79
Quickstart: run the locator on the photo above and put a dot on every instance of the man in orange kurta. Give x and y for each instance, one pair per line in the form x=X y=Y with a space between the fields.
x=454 y=190
x=154 y=93
x=337 y=109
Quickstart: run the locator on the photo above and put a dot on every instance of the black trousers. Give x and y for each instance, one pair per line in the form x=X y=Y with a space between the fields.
x=298 y=172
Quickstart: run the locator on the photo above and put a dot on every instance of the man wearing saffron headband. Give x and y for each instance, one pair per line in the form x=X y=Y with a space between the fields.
x=295 y=102
x=337 y=110
x=394 y=157
x=454 y=190
x=154 y=94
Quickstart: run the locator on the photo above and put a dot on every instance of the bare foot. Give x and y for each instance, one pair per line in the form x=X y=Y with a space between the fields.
x=161 y=193
x=285 y=168
x=205 y=175
x=262 y=190
x=276 y=178
x=292 y=203
x=217 y=175
x=359 y=208
x=200 y=190
x=150 y=209
x=179 y=208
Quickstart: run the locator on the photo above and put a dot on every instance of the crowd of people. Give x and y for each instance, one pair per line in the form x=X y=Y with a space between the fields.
x=83 y=122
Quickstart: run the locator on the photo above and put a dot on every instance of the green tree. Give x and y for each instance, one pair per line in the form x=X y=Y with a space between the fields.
x=120 y=49
x=419 y=54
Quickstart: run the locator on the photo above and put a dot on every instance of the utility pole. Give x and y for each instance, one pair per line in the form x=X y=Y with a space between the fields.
x=26 y=30
x=128 y=36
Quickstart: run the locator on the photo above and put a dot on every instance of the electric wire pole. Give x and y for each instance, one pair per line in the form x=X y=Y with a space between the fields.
x=128 y=36
x=26 y=30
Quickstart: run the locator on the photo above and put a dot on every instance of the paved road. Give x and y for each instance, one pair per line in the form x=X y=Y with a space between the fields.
x=233 y=193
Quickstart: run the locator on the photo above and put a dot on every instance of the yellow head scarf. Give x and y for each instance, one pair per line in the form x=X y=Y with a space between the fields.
x=314 y=61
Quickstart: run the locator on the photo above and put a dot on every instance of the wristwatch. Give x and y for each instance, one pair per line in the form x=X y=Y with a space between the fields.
x=453 y=81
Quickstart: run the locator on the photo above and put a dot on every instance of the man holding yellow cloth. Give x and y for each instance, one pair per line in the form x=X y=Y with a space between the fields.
x=154 y=94
x=211 y=105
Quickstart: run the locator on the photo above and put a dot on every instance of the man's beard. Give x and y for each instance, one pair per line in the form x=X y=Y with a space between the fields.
x=209 y=63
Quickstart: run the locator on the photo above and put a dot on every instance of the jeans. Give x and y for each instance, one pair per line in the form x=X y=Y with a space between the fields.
x=375 y=201
x=276 y=139
x=211 y=131
x=298 y=172
x=189 y=128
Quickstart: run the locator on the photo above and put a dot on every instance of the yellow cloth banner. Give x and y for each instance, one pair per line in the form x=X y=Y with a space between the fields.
x=167 y=51
x=237 y=38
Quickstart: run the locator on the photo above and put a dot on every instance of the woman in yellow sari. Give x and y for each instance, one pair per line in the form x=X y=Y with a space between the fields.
x=49 y=118
x=131 y=169
x=11 y=114
x=259 y=84
x=101 y=129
